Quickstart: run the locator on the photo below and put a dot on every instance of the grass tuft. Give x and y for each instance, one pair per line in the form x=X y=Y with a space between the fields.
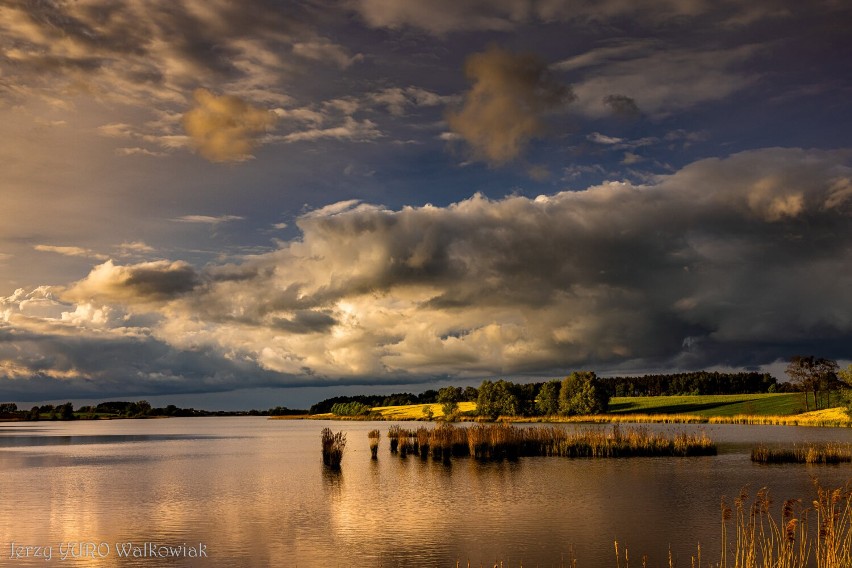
x=333 y=445
x=374 y=436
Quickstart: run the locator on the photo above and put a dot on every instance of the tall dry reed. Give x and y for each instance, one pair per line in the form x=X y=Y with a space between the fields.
x=763 y=540
x=393 y=437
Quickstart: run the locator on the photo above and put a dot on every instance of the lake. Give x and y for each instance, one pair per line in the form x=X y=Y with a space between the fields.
x=253 y=492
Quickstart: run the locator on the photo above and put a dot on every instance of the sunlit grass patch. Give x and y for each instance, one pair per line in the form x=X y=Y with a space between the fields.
x=418 y=411
x=826 y=417
x=710 y=405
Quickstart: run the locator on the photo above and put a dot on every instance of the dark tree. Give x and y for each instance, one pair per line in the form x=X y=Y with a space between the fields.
x=813 y=374
x=450 y=394
x=547 y=402
x=470 y=394
x=66 y=411
x=497 y=399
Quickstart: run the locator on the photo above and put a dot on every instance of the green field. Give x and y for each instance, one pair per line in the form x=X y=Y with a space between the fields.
x=711 y=405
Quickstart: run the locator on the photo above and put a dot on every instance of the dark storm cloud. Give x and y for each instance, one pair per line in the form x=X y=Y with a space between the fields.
x=622 y=105
x=306 y=321
x=57 y=365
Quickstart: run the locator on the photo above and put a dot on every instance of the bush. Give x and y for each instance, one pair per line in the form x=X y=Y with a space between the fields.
x=350 y=409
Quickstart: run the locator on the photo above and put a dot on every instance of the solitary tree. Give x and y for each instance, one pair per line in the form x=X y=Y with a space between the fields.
x=582 y=393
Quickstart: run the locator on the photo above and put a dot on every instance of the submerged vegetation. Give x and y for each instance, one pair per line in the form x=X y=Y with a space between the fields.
x=332 y=447
x=829 y=453
x=504 y=441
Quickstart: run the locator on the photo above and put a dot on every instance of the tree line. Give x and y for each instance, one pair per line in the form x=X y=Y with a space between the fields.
x=694 y=383
x=126 y=409
x=504 y=397
x=583 y=392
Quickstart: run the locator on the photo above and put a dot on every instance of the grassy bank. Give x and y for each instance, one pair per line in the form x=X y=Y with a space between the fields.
x=776 y=409
x=769 y=409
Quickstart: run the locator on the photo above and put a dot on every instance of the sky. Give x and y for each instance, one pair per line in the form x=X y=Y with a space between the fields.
x=259 y=203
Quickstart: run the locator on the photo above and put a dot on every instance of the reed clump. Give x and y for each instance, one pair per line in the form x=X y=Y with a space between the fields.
x=374 y=436
x=815 y=453
x=333 y=445
x=423 y=442
x=446 y=441
x=393 y=438
x=618 y=442
x=504 y=441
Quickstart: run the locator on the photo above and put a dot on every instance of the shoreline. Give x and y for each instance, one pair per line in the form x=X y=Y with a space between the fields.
x=828 y=418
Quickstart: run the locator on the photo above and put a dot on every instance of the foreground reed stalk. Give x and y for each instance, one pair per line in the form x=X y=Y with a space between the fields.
x=798 y=536
x=333 y=445
x=762 y=540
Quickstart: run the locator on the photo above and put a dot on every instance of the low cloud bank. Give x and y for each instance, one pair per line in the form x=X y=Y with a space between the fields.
x=736 y=261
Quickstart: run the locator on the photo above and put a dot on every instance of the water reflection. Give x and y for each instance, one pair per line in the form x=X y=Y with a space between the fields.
x=256 y=492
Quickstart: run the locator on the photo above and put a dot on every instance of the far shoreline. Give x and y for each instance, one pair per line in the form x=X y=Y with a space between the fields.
x=827 y=418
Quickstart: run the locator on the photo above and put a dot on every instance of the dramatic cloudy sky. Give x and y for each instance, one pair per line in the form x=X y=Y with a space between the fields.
x=244 y=204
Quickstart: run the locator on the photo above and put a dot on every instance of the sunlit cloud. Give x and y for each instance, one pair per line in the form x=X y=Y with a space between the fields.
x=225 y=128
x=208 y=219
x=350 y=129
x=506 y=106
x=672 y=273
x=71 y=251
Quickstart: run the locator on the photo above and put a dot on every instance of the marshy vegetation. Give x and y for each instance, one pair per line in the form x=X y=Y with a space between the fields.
x=826 y=453
x=504 y=441
x=333 y=445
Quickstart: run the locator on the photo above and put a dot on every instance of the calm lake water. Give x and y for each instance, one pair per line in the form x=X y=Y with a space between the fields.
x=253 y=492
